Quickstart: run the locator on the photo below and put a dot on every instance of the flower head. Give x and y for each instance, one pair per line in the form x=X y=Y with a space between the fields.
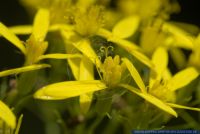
x=112 y=70
x=88 y=21
x=35 y=48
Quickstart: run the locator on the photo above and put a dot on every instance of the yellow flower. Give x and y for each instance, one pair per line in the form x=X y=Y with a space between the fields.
x=38 y=33
x=158 y=88
x=88 y=21
x=112 y=71
x=84 y=87
x=35 y=45
x=122 y=30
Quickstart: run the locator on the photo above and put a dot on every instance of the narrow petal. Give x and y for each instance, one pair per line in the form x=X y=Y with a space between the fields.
x=21 y=30
x=125 y=44
x=183 y=107
x=59 y=56
x=27 y=29
x=41 y=24
x=75 y=67
x=58 y=27
x=160 y=61
x=104 y=33
x=86 y=69
x=83 y=45
x=69 y=89
x=183 y=78
x=85 y=102
x=126 y=27
x=135 y=74
x=86 y=73
x=7 y=115
x=23 y=69
x=4 y=31
x=153 y=100
x=142 y=58
x=178 y=57
x=181 y=37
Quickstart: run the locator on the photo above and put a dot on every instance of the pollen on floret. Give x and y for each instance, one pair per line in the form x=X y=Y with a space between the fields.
x=112 y=70
x=87 y=22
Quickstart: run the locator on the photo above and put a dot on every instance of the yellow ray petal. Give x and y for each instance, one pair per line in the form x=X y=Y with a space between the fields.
x=7 y=115
x=86 y=69
x=135 y=74
x=40 y=94
x=85 y=47
x=82 y=45
x=41 y=24
x=21 y=29
x=182 y=38
x=85 y=102
x=178 y=57
x=142 y=58
x=27 y=29
x=183 y=107
x=125 y=44
x=69 y=89
x=126 y=27
x=182 y=78
x=58 y=27
x=59 y=56
x=86 y=73
x=4 y=31
x=74 y=65
x=153 y=100
x=23 y=69
x=160 y=61
x=104 y=33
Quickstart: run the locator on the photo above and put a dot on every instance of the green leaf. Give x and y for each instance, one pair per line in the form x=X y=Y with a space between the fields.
x=182 y=78
x=23 y=69
x=126 y=27
x=68 y=89
x=41 y=24
x=135 y=74
x=19 y=124
x=4 y=31
x=7 y=115
x=153 y=100
x=183 y=107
